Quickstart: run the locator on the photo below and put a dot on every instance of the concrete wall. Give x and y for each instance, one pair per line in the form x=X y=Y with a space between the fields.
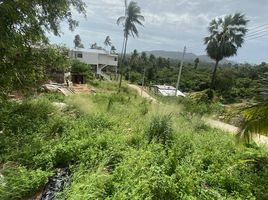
x=96 y=58
x=107 y=60
x=89 y=58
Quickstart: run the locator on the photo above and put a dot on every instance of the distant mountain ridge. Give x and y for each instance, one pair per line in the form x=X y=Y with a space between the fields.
x=188 y=57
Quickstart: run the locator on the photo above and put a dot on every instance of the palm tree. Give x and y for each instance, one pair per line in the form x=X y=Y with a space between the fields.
x=95 y=46
x=107 y=41
x=113 y=49
x=134 y=58
x=227 y=35
x=78 y=42
x=132 y=17
x=196 y=62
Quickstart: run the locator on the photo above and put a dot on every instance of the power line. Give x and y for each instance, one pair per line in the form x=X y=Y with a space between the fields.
x=251 y=31
x=252 y=38
x=257 y=32
x=260 y=26
x=179 y=76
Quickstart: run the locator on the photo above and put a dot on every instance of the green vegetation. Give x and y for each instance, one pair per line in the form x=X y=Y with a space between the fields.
x=78 y=42
x=256 y=117
x=234 y=82
x=120 y=146
x=23 y=30
x=81 y=68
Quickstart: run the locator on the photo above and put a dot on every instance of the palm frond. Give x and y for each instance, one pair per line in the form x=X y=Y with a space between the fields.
x=256 y=117
x=133 y=16
x=255 y=122
x=121 y=20
x=227 y=35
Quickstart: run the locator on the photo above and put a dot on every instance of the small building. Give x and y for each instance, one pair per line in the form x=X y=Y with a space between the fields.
x=58 y=76
x=99 y=59
x=78 y=78
x=166 y=90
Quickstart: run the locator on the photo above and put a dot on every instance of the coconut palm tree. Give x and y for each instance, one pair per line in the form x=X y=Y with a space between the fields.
x=132 y=17
x=107 y=41
x=78 y=42
x=113 y=49
x=226 y=36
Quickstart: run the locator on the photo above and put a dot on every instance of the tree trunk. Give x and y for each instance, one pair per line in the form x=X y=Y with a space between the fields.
x=121 y=67
x=120 y=63
x=212 y=84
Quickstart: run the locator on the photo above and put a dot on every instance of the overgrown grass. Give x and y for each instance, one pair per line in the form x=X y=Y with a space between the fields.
x=120 y=146
x=190 y=105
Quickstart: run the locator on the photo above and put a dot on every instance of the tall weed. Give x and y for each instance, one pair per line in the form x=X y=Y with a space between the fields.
x=160 y=130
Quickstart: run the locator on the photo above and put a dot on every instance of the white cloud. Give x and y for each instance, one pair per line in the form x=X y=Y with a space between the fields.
x=169 y=18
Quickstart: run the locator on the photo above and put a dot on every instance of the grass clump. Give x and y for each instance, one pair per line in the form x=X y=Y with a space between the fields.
x=160 y=130
x=19 y=182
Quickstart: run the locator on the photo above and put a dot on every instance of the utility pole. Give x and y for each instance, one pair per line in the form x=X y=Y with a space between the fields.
x=143 y=80
x=179 y=76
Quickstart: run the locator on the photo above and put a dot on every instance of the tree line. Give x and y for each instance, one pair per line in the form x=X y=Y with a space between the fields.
x=234 y=82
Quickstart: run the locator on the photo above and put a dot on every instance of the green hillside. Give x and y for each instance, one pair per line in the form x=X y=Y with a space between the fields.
x=120 y=146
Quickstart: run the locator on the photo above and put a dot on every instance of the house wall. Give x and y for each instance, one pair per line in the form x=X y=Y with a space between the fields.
x=96 y=58
x=89 y=58
x=107 y=60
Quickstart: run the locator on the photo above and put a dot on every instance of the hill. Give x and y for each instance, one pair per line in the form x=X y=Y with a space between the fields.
x=178 y=55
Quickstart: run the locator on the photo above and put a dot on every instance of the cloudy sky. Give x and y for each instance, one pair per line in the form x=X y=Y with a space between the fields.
x=171 y=24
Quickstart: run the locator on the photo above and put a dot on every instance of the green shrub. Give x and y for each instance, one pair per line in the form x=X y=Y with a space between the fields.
x=144 y=107
x=201 y=108
x=28 y=116
x=200 y=97
x=89 y=185
x=55 y=97
x=20 y=183
x=160 y=130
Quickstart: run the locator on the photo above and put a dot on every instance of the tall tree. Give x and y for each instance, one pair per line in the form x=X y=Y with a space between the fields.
x=132 y=17
x=144 y=58
x=196 y=63
x=95 y=46
x=134 y=59
x=78 y=42
x=107 y=41
x=113 y=49
x=226 y=36
x=24 y=24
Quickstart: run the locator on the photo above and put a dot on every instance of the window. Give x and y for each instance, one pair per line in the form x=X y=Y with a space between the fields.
x=79 y=55
x=115 y=59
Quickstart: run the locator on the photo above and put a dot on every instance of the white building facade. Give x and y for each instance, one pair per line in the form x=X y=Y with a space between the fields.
x=166 y=90
x=96 y=57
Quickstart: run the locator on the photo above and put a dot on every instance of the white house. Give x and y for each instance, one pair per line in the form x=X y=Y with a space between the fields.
x=166 y=90
x=96 y=57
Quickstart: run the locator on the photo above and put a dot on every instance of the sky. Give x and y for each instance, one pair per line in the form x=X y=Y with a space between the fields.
x=170 y=25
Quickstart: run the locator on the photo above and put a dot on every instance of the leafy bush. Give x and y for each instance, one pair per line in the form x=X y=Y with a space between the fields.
x=160 y=130
x=80 y=67
x=89 y=185
x=19 y=183
x=144 y=107
x=200 y=97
